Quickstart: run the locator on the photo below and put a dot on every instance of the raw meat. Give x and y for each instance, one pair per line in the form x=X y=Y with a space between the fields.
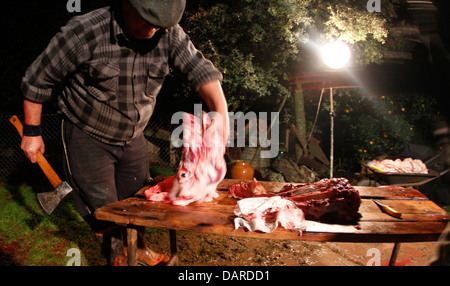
x=407 y=165
x=264 y=214
x=244 y=190
x=327 y=197
x=202 y=166
x=159 y=192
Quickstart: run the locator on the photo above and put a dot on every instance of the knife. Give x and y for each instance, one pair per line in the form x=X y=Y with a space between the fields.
x=389 y=210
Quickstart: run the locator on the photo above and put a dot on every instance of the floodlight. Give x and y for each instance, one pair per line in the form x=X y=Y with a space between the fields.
x=336 y=55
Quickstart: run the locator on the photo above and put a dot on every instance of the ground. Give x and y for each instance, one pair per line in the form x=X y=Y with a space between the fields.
x=209 y=250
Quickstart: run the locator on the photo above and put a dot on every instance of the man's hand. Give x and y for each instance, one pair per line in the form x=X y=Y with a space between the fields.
x=31 y=146
x=215 y=135
x=212 y=94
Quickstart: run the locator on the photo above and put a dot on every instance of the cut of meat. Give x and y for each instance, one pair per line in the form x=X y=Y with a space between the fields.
x=159 y=192
x=264 y=214
x=292 y=219
x=327 y=197
x=202 y=166
x=407 y=165
x=244 y=190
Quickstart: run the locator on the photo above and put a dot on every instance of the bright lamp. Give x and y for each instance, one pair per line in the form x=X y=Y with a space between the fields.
x=336 y=54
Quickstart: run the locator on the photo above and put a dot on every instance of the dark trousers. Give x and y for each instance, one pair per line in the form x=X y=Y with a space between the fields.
x=100 y=173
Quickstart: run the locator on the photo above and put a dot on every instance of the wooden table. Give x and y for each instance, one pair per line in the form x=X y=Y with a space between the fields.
x=422 y=219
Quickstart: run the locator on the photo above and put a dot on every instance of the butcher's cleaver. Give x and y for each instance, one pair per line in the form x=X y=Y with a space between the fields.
x=48 y=200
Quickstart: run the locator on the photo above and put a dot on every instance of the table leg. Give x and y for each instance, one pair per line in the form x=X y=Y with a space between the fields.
x=173 y=261
x=394 y=254
x=132 y=245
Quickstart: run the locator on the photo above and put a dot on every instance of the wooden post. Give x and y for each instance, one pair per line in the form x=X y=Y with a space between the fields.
x=173 y=248
x=332 y=133
x=132 y=245
x=394 y=254
x=300 y=118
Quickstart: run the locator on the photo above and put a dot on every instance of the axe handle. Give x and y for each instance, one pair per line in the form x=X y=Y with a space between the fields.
x=41 y=160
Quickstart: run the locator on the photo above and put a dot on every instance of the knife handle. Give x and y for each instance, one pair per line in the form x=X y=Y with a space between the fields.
x=41 y=160
x=389 y=210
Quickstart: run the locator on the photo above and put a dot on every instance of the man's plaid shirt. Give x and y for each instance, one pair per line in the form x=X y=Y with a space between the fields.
x=107 y=85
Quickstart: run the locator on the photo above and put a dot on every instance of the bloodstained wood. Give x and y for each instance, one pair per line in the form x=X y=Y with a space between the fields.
x=422 y=219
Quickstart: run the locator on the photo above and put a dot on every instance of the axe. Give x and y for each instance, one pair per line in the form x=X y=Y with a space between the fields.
x=48 y=200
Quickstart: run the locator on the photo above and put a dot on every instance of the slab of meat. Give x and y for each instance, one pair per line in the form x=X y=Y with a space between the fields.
x=407 y=165
x=264 y=214
x=334 y=197
x=244 y=190
x=202 y=165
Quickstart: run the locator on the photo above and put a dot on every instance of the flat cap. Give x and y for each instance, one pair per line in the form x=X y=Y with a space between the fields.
x=160 y=13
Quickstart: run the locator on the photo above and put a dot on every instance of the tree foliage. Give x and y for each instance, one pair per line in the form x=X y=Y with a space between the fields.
x=254 y=42
x=372 y=125
x=251 y=42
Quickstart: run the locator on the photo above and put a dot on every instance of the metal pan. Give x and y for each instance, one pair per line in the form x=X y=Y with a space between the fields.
x=404 y=179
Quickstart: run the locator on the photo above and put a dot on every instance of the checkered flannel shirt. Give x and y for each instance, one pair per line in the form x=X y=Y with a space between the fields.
x=107 y=85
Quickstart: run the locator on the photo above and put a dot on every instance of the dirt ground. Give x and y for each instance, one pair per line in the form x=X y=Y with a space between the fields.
x=196 y=249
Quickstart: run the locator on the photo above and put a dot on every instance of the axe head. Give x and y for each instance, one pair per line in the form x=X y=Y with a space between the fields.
x=50 y=200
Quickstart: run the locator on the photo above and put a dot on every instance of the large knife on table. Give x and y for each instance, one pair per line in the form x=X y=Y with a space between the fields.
x=48 y=200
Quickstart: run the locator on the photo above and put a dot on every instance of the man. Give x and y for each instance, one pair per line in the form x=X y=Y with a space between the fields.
x=107 y=67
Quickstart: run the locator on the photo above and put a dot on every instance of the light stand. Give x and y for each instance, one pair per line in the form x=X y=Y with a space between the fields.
x=336 y=55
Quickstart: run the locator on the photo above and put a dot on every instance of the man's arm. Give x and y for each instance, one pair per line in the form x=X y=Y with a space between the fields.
x=32 y=145
x=213 y=95
x=63 y=55
x=203 y=75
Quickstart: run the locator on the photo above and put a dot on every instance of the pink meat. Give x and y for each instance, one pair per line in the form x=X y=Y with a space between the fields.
x=291 y=219
x=264 y=214
x=328 y=196
x=158 y=193
x=407 y=165
x=202 y=165
x=243 y=190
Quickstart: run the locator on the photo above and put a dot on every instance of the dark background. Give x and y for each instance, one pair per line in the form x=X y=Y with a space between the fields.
x=28 y=26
